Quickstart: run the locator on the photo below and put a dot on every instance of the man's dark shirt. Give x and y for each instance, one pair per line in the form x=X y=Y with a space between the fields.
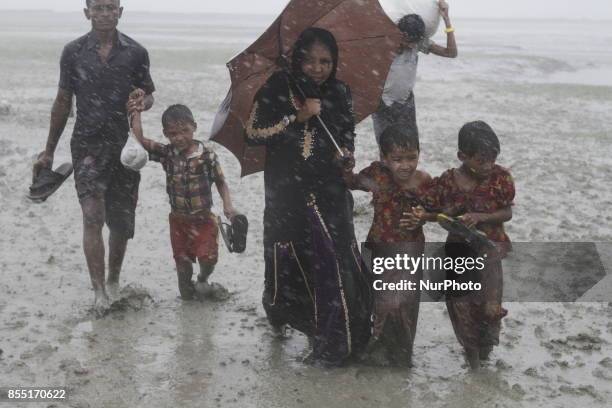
x=102 y=89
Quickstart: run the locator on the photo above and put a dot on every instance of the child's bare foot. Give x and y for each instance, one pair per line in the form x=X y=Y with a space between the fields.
x=212 y=291
x=187 y=290
x=101 y=303
x=202 y=289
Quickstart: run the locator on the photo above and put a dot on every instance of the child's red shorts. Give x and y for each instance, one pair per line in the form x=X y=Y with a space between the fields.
x=195 y=236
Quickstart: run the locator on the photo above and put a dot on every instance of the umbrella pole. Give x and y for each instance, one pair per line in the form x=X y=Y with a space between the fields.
x=330 y=136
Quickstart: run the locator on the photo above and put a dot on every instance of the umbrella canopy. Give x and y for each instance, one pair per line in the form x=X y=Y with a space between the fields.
x=367 y=40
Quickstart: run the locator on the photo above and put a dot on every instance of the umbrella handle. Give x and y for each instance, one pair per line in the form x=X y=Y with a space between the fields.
x=330 y=136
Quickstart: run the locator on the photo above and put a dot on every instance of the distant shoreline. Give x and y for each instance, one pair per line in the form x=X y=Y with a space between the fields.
x=261 y=15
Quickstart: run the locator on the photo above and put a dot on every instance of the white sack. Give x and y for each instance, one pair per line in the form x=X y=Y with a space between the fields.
x=427 y=9
x=133 y=155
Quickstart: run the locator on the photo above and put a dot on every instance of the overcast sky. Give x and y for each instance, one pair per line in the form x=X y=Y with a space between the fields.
x=591 y=9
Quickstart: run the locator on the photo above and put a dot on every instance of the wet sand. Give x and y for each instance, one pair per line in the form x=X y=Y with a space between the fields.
x=157 y=351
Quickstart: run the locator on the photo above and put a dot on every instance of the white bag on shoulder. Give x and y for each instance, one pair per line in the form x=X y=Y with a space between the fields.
x=429 y=11
x=133 y=155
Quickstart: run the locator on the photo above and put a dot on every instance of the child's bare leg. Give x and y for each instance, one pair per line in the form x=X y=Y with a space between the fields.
x=206 y=269
x=493 y=313
x=93 y=246
x=184 y=270
x=473 y=358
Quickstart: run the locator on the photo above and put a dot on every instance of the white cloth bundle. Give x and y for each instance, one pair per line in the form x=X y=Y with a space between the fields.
x=427 y=9
x=133 y=155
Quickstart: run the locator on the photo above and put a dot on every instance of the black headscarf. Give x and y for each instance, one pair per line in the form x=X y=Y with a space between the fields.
x=301 y=47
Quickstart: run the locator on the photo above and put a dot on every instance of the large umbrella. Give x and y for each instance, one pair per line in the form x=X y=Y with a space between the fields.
x=367 y=40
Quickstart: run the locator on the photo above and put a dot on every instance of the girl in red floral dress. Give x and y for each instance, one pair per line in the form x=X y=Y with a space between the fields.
x=394 y=182
x=482 y=194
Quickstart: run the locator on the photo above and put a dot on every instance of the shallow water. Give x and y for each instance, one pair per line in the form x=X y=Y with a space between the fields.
x=540 y=84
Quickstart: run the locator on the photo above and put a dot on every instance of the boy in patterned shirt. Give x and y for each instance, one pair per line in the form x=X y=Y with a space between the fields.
x=190 y=168
x=395 y=182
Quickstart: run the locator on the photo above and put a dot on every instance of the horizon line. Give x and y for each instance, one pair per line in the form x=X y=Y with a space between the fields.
x=578 y=18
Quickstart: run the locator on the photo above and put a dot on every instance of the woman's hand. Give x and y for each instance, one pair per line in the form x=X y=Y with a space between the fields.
x=310 y=108
x=346 y=161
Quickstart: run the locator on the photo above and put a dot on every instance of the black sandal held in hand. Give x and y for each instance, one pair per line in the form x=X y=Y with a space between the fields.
x=48 y=181
x=235 y=235
x=474 y=237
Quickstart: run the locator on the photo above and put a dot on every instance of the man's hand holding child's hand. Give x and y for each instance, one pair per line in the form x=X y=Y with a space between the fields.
x=136 y=101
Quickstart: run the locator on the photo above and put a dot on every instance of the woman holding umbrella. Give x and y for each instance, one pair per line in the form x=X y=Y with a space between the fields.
x=314 y=279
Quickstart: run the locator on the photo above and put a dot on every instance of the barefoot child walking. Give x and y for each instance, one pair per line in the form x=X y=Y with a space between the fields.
x=190 y=168
x=394 y=182
x=481 y=193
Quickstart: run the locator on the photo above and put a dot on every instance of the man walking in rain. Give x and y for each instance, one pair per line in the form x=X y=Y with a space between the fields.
x=107 y=72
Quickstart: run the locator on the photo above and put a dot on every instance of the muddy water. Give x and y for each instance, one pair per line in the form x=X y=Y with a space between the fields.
x=156 y=351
